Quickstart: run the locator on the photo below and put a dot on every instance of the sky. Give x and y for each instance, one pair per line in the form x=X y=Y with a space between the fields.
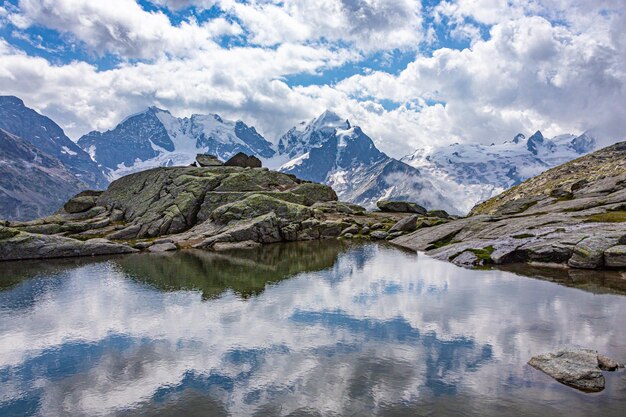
x=411 y=73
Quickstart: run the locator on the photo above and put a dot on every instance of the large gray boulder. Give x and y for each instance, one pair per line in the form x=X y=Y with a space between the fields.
x=589 y=253
x=79 y=204
x=244 y=161
x=16 y=245
x=206 y=160
x=578 y=368
x=400 y=207
x=615 y=257
x=408 y=224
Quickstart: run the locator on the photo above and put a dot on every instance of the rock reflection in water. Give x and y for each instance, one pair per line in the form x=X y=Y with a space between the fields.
x=354 y=330
x=244 y=271
x=597 y=282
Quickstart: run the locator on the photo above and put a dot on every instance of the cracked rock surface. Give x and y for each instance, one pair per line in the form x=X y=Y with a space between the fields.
x=580 y=226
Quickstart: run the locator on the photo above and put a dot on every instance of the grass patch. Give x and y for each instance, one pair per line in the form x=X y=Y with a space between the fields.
x=441 y=244
x=608 y=217
x=483 y=255
x=523 y=236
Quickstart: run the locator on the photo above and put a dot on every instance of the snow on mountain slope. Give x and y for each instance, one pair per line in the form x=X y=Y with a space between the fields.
x=329 y=150
x=478 y=172
x=156 y=138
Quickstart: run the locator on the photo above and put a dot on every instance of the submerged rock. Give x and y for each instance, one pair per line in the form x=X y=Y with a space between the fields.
x=577 y=368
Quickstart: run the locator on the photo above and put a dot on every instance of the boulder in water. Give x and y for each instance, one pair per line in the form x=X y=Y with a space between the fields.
x=576 y=367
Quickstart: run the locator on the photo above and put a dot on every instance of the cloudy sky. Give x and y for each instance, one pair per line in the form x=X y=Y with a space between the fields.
x=410 y=72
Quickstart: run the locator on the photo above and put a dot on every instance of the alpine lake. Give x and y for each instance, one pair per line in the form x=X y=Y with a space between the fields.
x=301 y=329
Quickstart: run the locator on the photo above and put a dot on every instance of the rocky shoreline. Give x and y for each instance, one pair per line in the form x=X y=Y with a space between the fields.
x=573 y=215
x=207 y=207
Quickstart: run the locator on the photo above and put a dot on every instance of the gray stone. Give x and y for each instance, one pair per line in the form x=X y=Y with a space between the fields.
x=80 y=204
x=408 y=224
x=589 y=253
x=577 y=368
x=36 y=246
x=607 y=364
x=116 y=215
x=365 y=230
x=143 y=245
x=394 y=235
x=377 y=226
x=615 y=257
x=243 y=160
x=353 y=229
x=162 y=247
x=348 y=235
x=442 y=214
x=400 y=207
x=379 y=235
x=330 y=228
x=206 y=160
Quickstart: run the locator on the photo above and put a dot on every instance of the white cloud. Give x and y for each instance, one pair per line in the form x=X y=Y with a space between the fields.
x=122 y=27
x=366 y=24
x=181 y=4
x=532 y=72
x=529 y=75
x=239 y=83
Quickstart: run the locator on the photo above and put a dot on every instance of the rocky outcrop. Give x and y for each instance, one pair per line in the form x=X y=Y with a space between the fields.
x=18 y=245
x=575 y=367
x=581 y=225
x=205 y=160
x=215 y=207
x=244 y=161
x=400 y=207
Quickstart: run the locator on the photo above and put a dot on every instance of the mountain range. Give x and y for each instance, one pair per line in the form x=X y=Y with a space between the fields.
x=156 y=138
x=475 y=172
x=330 y=150
x=327 y=149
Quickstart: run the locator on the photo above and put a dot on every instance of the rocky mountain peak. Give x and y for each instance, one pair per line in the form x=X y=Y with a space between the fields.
x=11 y=100
x=519 y=137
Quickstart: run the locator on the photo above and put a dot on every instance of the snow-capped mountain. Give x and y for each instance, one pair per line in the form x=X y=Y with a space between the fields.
x=478 y=172
x=49 y=138
x=156 y=138
x=329 y=149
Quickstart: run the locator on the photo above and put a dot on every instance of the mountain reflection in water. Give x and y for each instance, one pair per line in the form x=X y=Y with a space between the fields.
x=319 y=328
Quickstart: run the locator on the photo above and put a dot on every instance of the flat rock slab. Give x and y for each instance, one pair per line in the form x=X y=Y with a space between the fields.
x=162 y=247
x=577 y=368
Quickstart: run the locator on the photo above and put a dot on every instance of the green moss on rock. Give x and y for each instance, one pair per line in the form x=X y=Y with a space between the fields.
x=259 y=204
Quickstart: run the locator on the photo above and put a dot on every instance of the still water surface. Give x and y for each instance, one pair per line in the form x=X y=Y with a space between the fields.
x=319 y=329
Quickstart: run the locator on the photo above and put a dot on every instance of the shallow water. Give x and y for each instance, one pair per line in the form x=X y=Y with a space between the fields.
x=299 y=329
